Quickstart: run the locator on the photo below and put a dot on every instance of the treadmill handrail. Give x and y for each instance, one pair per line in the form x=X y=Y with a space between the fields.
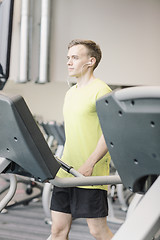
x=11 y=192
x=86 y=181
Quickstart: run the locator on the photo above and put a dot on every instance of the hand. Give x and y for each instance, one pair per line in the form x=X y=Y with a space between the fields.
x=86 y=169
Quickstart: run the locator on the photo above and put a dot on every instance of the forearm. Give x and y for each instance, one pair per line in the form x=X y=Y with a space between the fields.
x=99 y=152
x=101 y=149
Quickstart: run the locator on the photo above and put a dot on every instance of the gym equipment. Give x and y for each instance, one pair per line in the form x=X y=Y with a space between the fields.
x=27 y=190
x=130 y=121
x=11 y=191
x=20 y=131
x=55 y=131
x=126 y=117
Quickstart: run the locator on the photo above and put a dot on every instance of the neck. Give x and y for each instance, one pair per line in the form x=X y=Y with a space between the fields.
x=85 y=79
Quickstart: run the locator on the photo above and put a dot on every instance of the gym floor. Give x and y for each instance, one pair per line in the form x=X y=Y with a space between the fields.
x=26 y=222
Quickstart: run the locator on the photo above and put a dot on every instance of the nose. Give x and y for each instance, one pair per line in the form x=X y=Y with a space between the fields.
x=69 y=62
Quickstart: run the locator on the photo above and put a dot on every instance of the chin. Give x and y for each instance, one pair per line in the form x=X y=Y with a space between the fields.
x=71 y=75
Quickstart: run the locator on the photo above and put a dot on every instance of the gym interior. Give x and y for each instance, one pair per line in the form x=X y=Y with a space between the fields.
x=128 y=33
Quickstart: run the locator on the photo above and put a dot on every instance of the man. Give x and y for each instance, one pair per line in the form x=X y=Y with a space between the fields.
x=85 y=148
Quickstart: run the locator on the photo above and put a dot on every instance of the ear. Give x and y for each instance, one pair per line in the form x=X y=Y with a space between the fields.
x=92 y=60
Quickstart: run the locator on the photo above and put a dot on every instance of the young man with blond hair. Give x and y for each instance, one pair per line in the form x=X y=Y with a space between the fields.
x=85 y=148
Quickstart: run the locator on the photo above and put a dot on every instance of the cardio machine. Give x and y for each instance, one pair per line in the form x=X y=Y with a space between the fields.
x=130 y=121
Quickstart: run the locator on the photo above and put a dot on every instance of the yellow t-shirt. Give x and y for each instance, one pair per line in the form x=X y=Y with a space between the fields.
x=82 y=128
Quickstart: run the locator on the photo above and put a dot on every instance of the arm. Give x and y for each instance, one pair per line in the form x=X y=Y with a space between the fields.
x=101 y=149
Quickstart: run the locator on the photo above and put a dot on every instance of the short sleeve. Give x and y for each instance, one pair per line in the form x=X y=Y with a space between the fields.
x=103 y=91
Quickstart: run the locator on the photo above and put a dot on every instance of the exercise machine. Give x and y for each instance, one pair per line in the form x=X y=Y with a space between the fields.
x=20 y=131
x=130 y=121
x=27 y=190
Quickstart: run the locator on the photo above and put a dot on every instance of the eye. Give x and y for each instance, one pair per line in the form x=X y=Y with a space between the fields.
x=75 y=57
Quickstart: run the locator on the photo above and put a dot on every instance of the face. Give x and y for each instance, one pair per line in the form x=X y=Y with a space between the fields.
x=77 y=58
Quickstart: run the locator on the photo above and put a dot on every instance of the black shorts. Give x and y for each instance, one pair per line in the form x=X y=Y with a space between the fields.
x=80 y=202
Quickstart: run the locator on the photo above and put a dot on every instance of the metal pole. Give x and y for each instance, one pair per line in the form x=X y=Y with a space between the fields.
x=86 y=181
x=11 y=192
x=44 y=41
x=24 y=38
